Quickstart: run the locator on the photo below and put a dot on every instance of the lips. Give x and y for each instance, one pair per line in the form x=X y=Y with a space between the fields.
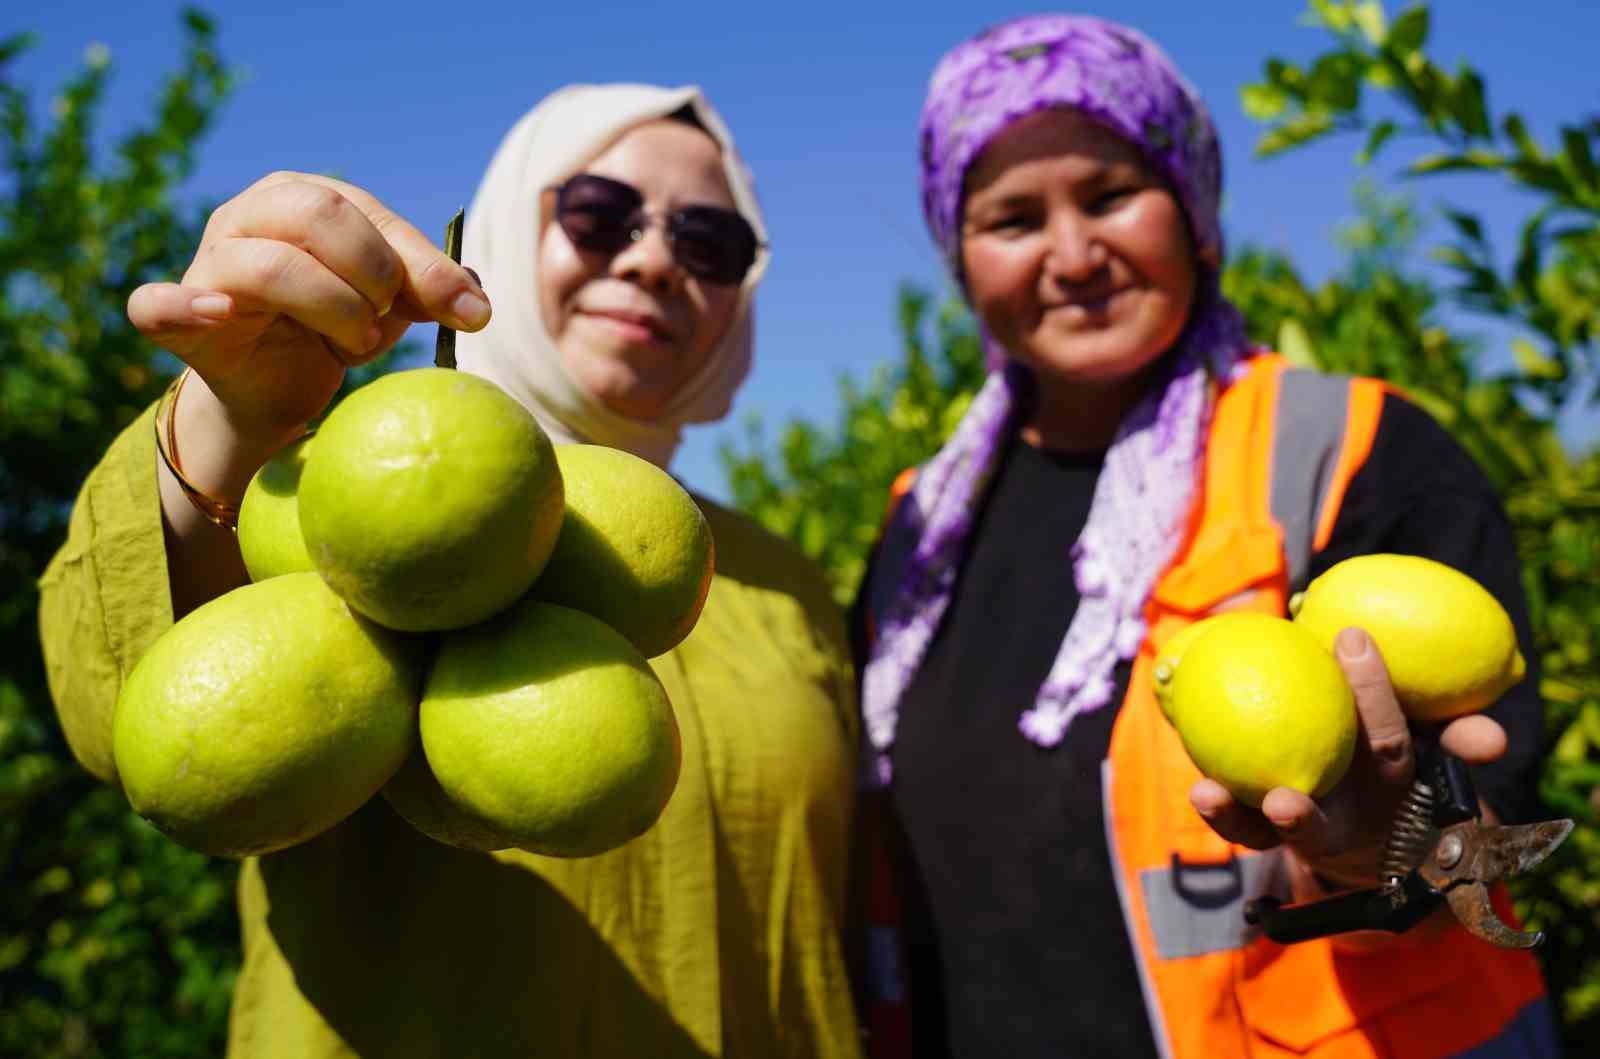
x=1089 y=303
x=635 y=324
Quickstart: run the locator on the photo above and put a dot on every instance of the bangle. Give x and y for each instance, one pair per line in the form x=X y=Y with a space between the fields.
x=219 y=512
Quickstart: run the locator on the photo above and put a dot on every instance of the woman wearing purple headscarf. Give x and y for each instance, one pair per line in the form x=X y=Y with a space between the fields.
x=1056 y=877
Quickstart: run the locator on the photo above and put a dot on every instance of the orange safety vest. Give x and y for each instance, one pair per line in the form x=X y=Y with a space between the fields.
x=1283 y=446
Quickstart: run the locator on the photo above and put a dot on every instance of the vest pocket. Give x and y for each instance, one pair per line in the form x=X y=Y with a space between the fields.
x=1301 y=997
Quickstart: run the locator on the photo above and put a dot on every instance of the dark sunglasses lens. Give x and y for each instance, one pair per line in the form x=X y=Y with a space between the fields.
x=596 y=213
x=714 y=244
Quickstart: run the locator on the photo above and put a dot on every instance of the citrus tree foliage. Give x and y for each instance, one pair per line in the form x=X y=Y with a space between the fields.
x=1381 y=314
x=1376 y=81
x=825 y=488
x=113 y=941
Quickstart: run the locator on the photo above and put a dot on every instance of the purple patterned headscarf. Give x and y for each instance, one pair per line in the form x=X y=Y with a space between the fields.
x=1122 y=80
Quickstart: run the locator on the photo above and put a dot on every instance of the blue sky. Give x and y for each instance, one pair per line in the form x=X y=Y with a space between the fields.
x=410 y=99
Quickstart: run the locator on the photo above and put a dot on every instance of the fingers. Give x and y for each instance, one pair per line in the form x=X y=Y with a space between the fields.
x=1233 y=820
x=322 y=222
x=433 y=285
x=1476 y=740
x=1387 y=738
x=1303 y=824
x=177 y=317
x=269 y=276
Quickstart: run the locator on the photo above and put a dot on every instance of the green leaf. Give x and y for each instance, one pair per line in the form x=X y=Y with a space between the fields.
x=1375 y=139
x=1540 y=174
x=1517 y=129
x=1409 y=32
x=1330 y=14
x=1533 y=363
x=1440 y=163
x=1294 y=342
x=15 y=45
x=1335 y=82
x=1302 y=128
x=1465 y=223
x=1577 y=159
x=1369 y=18
x=1530 y=251
x=1263 y=102
x=1468 y=105
x=199 y=22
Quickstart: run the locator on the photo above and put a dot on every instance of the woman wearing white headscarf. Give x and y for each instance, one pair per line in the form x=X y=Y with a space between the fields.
x=717 y=931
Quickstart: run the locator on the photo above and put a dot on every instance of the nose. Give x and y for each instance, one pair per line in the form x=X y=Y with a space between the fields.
x=648 y=260
x=1075 y=252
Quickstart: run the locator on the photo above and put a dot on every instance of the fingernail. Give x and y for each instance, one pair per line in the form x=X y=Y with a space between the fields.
x=474 y=274
x=370 y=340
x=470 y=310
x=211 y=306
x=1351 y=643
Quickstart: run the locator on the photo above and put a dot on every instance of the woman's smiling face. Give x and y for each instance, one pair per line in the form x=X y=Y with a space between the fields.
x=632 y=327
x=1075 y=255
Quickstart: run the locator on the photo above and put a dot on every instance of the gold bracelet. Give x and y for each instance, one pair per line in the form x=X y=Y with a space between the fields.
x=219 y=512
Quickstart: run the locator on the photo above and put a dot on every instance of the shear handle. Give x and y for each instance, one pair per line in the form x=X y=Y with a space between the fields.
x=1395 y=911
x=1455 y=799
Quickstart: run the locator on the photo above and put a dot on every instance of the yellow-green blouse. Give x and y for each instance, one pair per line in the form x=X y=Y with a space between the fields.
x=717 y=933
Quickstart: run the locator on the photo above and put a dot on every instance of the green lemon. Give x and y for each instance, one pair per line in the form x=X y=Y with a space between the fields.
x=543 y=728
x=265 y=717
x=1259 y=703
x=415 y=794
x=269 y=516
x=430 y=500
x=1448 y=644
x=635 y=549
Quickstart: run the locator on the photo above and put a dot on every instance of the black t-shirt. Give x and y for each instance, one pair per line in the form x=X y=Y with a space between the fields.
x=1016 y=940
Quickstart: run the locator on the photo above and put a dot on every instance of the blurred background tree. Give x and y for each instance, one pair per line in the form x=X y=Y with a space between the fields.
x=113 y=941
x=1382 y=313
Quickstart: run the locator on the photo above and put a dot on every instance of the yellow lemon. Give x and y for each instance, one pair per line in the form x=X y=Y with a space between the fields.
x=1448 y=644
x=1167 y=659
x=1260 y=704
x=269 y=516
x=545 y=729
x=265 y=717
x=430 y=500
x=635 y=549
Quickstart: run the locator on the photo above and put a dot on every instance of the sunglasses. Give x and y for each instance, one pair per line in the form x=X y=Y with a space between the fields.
x=605 y=215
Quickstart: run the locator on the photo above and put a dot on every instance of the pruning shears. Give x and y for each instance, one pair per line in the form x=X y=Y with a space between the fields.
x=1439 y=852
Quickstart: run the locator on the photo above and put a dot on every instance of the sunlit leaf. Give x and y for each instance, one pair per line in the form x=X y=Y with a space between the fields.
x=1375 y=140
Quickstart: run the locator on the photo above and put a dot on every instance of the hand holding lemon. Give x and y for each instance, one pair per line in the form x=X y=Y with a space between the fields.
x=1275 y=718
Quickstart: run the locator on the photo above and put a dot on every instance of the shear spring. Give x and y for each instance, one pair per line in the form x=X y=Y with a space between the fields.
x=1410 y=835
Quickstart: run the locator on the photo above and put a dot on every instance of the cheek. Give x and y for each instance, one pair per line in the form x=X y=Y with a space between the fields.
x=1000 y=282
x=714 y=309
x=561 y=273
x=1159 y=241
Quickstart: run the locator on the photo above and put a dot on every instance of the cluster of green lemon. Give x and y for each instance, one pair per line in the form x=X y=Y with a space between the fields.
x=445 y=608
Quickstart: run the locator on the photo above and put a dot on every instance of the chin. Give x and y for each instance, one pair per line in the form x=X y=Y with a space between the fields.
x=1097 y=364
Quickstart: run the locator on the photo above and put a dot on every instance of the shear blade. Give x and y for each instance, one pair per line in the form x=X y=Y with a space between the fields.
x=1543 y=839
x=1470 y=903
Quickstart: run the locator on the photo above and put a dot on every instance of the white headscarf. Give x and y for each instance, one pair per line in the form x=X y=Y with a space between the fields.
x=554 y=140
